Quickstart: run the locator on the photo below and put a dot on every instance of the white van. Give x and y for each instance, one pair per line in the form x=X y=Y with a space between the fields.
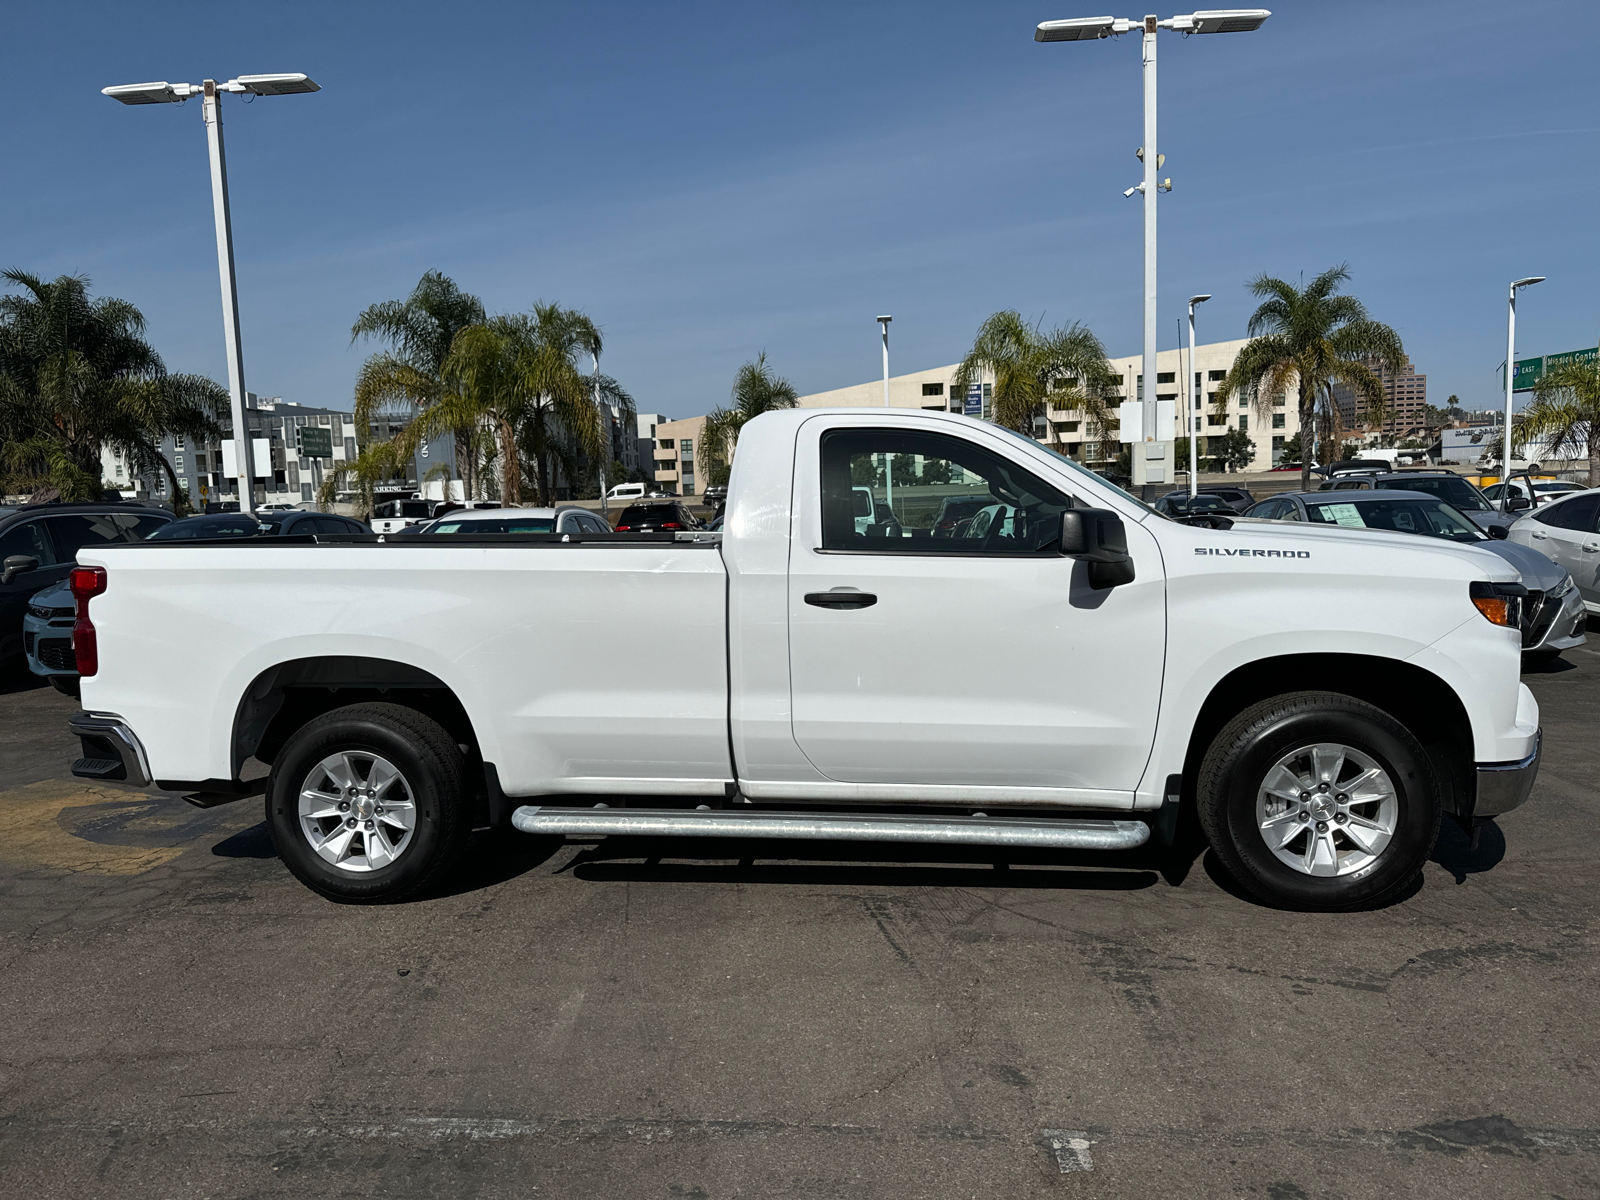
x=626 y=491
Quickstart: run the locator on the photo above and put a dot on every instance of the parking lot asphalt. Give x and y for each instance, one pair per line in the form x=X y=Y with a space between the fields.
x=676 y=1020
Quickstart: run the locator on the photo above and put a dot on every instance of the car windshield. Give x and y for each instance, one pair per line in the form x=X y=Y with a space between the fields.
x=1197 y=504
x=1430 y=518
x=1077 y=468
x=1448 y=488
x=208 y=527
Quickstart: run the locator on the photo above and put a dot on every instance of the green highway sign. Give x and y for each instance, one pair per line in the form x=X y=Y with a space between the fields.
x=1531 y=370
x=318 y=443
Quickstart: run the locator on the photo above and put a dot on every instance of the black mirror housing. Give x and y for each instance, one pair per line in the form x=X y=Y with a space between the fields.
x=1518 y=503
x=17 y=564
x=1499 y=532
x=1096 y=536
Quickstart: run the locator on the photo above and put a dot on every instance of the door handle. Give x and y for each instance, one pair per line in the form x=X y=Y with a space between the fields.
x=1591 y=547
x=841 y=599
x=1540 y=536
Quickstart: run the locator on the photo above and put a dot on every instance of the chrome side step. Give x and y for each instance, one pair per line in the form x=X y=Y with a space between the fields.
x=1073 y=834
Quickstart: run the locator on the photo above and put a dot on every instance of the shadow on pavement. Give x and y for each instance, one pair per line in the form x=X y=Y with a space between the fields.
x=1453 y=851
x=1546 y=666
x=15 y=677
x=254 y=842
x=868 y=864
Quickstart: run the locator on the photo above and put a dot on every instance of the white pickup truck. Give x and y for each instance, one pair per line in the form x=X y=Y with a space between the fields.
x=1066 y=669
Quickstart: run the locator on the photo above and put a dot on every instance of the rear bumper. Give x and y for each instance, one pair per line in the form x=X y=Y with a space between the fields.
x=110 y=749
x=1504 y=786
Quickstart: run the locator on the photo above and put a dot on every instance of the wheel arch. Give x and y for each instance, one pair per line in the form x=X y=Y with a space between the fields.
x=284 y=697
x=1432 y=710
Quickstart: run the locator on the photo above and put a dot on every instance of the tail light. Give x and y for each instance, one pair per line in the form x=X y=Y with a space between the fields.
x=86 y=583
x=623 y=528
x=670 y=525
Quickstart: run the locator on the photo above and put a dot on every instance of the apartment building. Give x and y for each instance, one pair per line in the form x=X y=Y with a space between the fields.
x=1405 y=395
x=675 y=463
x=1068 y=430
x=282 y=473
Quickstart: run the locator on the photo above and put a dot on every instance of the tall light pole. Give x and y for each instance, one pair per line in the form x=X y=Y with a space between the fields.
x=1152 y=464
x=1193 y=392
x=211 y=112
x=884 y=322
x=605 y=426
x=1511 y=368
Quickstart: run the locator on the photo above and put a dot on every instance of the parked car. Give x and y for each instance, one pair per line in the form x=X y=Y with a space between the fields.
x=1542 y=490
x=1567 y=531
x=1452 y=489
x=39 y=543
x=277 y=506
x=394 y=515
x=1238 y=498
x=276 y=524
x=655 y=517
x=1181 y=504
x=1553 y=618
x=1317 y=698
x=515 y=520
x=626 y=491
x=716 y=496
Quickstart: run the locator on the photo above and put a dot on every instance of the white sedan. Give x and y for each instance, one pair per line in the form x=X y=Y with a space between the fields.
x=1567 y=530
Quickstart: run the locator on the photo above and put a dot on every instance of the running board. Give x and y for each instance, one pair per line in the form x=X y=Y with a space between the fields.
x=1071 y=834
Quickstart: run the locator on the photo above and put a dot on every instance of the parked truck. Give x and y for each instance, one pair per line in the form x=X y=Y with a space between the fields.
x=1078 y=675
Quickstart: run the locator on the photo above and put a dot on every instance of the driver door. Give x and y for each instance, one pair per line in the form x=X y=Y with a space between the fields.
x=980 y=659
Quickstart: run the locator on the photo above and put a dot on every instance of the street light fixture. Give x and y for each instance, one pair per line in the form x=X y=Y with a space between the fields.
x=1511 y=367
x=884 y=321
x=1081 y=29
x=210 y=111
x=1194 y=422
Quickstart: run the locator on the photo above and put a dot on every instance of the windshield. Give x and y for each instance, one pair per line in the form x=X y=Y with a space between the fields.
x=1430 y=518
x=1079 y=468
x=1447 y=488
x=493 y=525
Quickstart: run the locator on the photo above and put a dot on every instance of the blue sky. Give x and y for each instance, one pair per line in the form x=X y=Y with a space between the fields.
x=709 y=180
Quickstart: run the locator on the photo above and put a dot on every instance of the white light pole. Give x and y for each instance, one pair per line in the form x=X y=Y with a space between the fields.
x=1511 y=367
x=1150 y=464
x=884 y=322
x=1194 y=403
x=211 y=112
x=605 y=427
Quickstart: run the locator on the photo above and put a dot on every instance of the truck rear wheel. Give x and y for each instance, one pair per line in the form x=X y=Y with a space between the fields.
x=369 y=803
x=1319 y=801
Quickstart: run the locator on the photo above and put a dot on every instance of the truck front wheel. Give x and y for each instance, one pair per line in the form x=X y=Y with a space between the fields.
x=368 y=803
x=1316 y=800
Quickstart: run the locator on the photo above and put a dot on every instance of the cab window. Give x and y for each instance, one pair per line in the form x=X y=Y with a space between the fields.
x=896 y=491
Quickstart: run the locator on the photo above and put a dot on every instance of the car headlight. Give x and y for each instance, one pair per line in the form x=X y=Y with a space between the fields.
x=1560 y=589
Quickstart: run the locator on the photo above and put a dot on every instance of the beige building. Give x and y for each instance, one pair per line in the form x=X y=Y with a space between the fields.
x=675 y=462
x=1067 y=429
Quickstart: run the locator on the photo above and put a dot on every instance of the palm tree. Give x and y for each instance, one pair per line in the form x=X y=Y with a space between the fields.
x=410 y=376
x=1314 y=338
x=518 y=375
x=1034 y=371
x=77 y=375
x=1565 y=414
x=757 y=389
x=376 y=463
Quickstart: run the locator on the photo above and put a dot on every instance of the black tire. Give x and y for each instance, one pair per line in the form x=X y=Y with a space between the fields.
x=1237 y=764
x=433 y=770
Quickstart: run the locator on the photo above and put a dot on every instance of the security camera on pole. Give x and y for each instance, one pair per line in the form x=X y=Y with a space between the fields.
x=211 y=112
x=1150 y=427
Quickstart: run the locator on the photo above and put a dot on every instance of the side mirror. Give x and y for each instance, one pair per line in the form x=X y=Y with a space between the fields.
x=1499 y=532
x=16 y=565
x=1096 y=536
x=1518 y=503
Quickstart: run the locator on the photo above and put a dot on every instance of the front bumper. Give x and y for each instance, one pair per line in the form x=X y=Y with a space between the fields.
x=110 y=749
x=1563 y=629
x=1503 y=786
x=48 y=646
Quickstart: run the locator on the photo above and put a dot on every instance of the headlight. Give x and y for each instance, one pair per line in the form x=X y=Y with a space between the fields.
x=1500 y=603
x=1560 y=589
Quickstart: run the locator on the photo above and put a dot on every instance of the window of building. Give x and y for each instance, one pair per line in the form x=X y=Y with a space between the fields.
x=1277 y=401
x=1277 y=420
x=933 y=389
x=350 y=449
x=893 y=491
x=1216 y=375
x=666 y=444
x=1166 y=376
x=1067 y=426
x=177 y=442
x=1244 y=423
x=322 y=418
